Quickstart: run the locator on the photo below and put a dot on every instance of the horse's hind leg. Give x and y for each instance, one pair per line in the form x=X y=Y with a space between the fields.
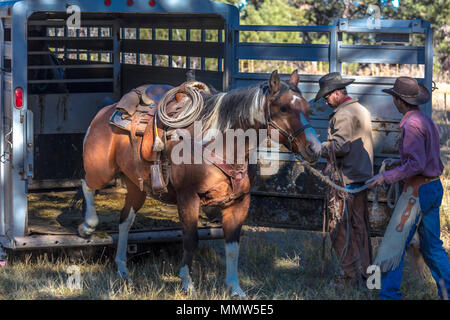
x=232 y=219
x=90 y=215
x=133 y=202
x=188 y=207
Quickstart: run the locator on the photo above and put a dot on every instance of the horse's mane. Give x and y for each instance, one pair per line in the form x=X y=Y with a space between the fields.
x=239 y=108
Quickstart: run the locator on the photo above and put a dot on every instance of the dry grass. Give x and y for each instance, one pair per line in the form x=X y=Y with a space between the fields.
x=274 y=264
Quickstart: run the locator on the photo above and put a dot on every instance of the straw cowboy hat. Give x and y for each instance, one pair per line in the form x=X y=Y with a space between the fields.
x=330 y=82
x=410 y=91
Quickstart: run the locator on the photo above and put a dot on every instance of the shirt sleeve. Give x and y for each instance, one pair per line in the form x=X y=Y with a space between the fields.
x=340 y=137
x=413 y=156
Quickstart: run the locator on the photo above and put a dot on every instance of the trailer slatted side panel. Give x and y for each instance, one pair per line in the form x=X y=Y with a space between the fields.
x=166 y=48
x=279 y=197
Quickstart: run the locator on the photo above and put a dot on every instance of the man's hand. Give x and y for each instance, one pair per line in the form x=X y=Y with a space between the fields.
x=389 y=162
x=377 y=180
x=324 y=149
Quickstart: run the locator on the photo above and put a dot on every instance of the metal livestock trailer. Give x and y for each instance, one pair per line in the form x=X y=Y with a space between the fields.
x=54 y=80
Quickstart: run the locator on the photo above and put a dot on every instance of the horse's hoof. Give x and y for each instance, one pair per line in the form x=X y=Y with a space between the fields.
x=85 y=232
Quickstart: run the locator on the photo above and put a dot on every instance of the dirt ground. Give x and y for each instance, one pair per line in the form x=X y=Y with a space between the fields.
x=49 y=213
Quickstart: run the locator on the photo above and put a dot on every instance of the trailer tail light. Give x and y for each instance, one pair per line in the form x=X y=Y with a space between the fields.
x=129 y=3
x=18 y=98
x=152 y=3
x=107 y=3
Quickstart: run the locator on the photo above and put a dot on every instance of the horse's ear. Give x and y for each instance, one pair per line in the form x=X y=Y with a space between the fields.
x=294 y=78
x=275 y=82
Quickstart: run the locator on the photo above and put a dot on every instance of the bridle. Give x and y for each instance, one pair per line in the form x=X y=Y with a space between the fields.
x=289 y=136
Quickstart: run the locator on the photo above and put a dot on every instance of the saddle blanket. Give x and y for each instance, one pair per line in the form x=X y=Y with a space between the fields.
x=123 y=121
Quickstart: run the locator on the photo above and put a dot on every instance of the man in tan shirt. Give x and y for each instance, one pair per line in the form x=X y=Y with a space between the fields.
x=349 y=151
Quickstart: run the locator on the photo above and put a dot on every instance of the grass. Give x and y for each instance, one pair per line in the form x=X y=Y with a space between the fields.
x=274 y=264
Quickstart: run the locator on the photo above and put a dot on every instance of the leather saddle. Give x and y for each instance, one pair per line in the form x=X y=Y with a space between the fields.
x=136 y=113
x=139 y=99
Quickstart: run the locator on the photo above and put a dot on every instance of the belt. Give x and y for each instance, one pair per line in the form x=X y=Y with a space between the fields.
x=431 y=179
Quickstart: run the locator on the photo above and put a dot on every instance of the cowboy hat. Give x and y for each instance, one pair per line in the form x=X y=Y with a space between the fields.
x=330 y=82
x=410 y=91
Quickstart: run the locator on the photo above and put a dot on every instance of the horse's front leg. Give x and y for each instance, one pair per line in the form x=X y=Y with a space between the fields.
x=232 y=219
x=188 y=208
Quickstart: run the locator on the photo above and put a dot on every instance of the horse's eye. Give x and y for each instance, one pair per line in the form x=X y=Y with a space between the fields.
x=284 y=109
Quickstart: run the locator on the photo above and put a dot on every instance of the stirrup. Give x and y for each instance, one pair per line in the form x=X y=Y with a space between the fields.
x=158 y=184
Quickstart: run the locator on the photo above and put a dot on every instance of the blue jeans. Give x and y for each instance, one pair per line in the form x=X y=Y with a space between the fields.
x=430 y=198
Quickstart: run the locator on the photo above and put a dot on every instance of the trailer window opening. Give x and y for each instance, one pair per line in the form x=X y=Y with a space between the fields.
x=63 y=60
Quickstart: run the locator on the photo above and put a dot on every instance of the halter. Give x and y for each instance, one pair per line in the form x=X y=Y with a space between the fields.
x=289 y=136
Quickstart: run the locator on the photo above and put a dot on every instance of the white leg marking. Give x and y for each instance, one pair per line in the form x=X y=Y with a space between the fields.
x=90 y=218
x=121 y=255
x=85 y=137
x=231 y=280
x=186 y=280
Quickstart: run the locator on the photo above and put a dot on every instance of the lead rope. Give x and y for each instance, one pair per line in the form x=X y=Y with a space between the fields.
x=393 y=188
x=327 y=179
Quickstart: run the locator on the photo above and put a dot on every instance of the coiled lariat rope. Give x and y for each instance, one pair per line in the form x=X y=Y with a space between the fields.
x=188 y=115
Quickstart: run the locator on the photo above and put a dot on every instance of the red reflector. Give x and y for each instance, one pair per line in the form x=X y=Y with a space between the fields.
x=152 y=3
x=18 y=97
x=130 y=2
x=107 y=3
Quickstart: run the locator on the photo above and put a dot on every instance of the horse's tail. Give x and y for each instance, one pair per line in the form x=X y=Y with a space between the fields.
x=78 y=201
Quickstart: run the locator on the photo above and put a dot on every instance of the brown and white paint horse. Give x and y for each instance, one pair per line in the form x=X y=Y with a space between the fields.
x=276 y=105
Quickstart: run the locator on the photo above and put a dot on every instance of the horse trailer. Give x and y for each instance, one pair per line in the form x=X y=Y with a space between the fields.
x=55 y=77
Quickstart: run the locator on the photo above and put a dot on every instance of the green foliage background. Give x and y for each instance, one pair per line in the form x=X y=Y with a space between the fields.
x=314 y=12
